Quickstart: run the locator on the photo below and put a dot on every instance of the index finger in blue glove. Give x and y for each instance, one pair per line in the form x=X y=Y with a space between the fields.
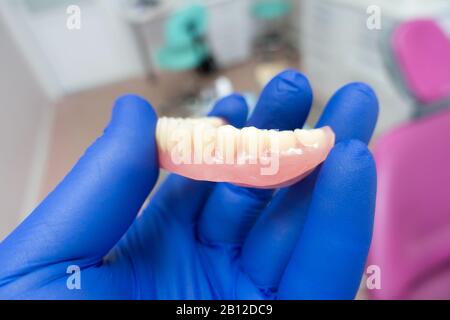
x=352 y=113
x=105 y=188
x=328 y=261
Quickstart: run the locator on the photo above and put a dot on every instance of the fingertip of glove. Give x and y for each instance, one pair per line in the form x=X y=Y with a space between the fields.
x=361 y=87
x=352 y=156
x=291 y=80
x=361 y=92
x=232 y=108
x=135 y=107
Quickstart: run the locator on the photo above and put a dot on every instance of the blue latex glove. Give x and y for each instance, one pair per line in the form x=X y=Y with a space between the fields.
x=201 y=240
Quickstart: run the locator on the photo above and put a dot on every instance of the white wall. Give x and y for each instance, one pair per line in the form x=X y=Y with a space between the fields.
x=25 y=114
x=101 y=52
x=105 y=49
x=230 y=35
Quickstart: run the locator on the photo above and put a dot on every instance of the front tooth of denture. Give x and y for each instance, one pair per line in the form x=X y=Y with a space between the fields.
x=170 y=130
x=197 y=143
x=311 y=138
x=210 y=121
x=209 y=144
x=248 y=145
x=226 y=143
x=204 y=138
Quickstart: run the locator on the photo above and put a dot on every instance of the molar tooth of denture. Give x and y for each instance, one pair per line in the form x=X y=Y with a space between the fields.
x=248 y=143
x=263 y=142
x=226 y=143
x=310 y=138
x=209 y=144
x=287 y=140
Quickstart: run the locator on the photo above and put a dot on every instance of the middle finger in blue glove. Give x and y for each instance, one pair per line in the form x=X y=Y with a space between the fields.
x=230 y=211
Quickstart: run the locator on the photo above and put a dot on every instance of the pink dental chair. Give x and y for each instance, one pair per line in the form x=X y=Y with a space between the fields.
x=411 y=241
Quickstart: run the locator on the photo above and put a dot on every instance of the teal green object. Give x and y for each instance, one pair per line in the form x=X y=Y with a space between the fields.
x=185 y=25
x=179 y=59
x=271 y=9
x=184 y=47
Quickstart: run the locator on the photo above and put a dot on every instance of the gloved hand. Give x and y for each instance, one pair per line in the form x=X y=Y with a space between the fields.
x=201 y=240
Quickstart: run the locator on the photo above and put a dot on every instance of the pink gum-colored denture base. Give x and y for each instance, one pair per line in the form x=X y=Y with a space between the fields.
x=278 y=169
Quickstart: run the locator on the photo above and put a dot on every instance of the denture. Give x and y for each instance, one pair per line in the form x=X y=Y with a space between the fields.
x=209 y=149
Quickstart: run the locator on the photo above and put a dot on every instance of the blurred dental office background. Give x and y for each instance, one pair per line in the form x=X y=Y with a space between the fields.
x=58 y=83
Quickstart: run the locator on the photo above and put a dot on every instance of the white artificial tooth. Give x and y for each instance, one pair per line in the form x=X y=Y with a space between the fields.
x=248 y=145
x=210 y=121
x=177 y=133
x=226 y=143
x=287 y=140
x=158 y=131
x=209 y=144
x=214 y=121
x=176 y=123
x=204 y=136
x=197 y=130
x=263 y=142
x=165 y=134
x=162 y=123
x=310 y=138
x=198 y=134
x=180 y=142
x=170 y=131
x=274 y=141
x=192 y=121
